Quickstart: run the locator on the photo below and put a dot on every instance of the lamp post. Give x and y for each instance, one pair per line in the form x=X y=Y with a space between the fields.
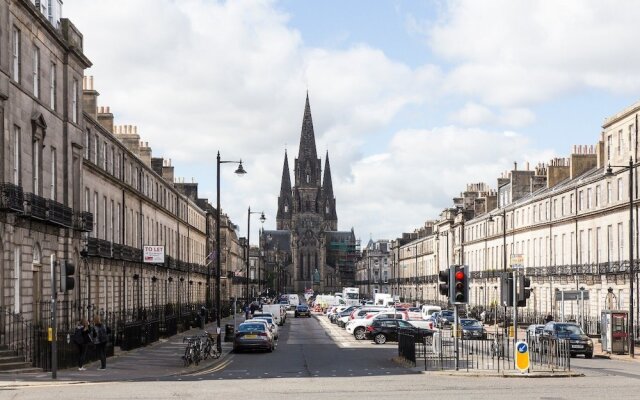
x=609 y=173
x=415 y=250
x=262 y=219
x=240 y=171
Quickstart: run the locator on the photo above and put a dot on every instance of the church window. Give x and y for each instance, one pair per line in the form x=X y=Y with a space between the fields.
x=326 y=209
x=286 y=208
x=307 y=178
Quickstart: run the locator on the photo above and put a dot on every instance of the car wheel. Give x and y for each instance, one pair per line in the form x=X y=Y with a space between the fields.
x=380 y=338
x=358 y=333
x=588 y=355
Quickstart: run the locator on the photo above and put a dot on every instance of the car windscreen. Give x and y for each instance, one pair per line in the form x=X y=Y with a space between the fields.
x=268 y=319
x=446 y=313
x=569 y=329
x=303 y=308
x=251 y=328
x=470 y=323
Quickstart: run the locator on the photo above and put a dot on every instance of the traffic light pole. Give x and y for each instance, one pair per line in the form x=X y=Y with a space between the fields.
x=54 y=342
x=455 y=332
x=515 y=307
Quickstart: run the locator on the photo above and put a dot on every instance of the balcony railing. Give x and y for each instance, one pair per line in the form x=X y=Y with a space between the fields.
x=59 y=214
x=83 y=221
x=11 y=197
x=35 y=206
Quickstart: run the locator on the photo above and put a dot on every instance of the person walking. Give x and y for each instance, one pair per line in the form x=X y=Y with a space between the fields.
x=81 y=339
x=100 y=339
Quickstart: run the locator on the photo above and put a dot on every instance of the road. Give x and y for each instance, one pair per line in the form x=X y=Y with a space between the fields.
x=315 y=360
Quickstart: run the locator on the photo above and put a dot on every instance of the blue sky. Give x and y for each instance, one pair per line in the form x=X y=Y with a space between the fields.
x=412 y=99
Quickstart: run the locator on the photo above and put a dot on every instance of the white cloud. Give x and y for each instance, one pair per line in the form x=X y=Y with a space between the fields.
x=474 y=114
x=200 y=76
x=422 y=170
x=510 y=53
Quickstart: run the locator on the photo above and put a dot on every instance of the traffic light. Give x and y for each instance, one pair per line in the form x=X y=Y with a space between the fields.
x=524 y=290
x=445 y=277
x=506 y=290
x=67 y=271
x=461 y=285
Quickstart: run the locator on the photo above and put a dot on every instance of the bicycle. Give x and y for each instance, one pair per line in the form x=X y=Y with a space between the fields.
x=496 y=349
x=193 y=351
x=210 y=346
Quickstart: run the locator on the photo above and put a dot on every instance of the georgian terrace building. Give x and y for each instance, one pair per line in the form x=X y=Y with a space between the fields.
x=41 y=219
x=568 y=220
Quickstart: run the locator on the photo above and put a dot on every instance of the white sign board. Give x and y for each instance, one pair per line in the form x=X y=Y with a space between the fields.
x=153 y=254
x=517 y=260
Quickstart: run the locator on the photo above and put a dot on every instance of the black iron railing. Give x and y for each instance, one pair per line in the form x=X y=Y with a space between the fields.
x=83 y=221
x=11 y=197
x=59 y=214
x=35 y=206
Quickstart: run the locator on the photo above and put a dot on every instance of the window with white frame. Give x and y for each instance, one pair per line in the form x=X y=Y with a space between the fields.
x=86 y=144
x=105 y=218
x=52 y=86
x=35 y=166
x=54 y=174
x=96 y=150
x=104 y=156
x=36 y=72
x=609 y=194
x=619 y=148
x=609 y=243
x=74 y=101
x=588 y=198
x=630 y=136
x=620 y=242
x=96 y=215
x=15 y=53
x=597 y=195
x=17 y=136
x=620 y=189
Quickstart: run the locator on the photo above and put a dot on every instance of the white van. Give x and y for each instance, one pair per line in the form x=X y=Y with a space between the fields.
x=294 y=301
x=429 y=309
x=276 y=311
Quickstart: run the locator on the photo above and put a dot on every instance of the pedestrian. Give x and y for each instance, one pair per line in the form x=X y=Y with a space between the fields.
x=247 y=311
x=483 y=316
x=81 y=340
x=100 y=337
x=203 y=317
x=549 y=318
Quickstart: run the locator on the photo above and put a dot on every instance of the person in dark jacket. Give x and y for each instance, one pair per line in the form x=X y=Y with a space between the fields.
x=81 y=339
x=100 y=338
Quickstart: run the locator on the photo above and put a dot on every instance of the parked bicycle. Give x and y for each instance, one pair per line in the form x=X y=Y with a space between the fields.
x=210 y=345
x=193 y=351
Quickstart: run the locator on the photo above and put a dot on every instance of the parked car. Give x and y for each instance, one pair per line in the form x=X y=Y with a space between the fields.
x=533 y=332
x=253 y=336
x=386 y=330
x=273 y=327
x=445 y=318
x=358 y=327
x=302 y=311
x=472 y=329
x=579 y=342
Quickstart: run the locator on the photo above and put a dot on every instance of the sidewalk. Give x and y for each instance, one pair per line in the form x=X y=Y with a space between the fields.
x=159 y=359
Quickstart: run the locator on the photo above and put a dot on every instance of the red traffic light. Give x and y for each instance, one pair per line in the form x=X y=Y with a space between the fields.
x=459 y=275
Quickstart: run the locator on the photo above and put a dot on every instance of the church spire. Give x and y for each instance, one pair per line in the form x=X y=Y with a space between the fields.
x=327 y=185
x=285 y=185
x=307 y=149
x=285 y=200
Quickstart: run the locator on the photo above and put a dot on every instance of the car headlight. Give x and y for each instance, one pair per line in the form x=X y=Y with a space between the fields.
x=590 y=343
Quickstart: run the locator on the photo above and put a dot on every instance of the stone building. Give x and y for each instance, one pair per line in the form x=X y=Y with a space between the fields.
x=373 y=269
x=568 y=219
x=41 y=218
x=318 y=256
x=76 y=187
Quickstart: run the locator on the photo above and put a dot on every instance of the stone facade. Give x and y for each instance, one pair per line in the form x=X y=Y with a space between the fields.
x=76 y=187
x=568 y=219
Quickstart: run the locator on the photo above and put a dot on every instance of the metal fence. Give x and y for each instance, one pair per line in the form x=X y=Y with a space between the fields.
x=440 y=350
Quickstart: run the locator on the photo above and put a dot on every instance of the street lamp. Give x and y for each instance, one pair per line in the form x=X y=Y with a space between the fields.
x=262 y=219
x=608 y=174
x=239 y=171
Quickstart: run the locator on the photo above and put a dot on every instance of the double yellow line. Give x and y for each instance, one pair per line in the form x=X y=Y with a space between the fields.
x=216 y=368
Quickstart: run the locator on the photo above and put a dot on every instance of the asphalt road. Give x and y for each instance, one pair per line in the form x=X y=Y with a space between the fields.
x=315 y=360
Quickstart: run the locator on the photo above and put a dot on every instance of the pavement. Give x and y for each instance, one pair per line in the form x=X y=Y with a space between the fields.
x=158 y=360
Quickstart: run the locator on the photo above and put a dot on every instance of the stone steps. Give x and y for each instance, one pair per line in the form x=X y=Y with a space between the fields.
x=10 y=362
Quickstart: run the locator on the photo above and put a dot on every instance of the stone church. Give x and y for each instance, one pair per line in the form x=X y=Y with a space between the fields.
x=307 y=251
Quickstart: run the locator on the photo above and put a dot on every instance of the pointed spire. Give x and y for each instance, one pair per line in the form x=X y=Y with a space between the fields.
x=307 y=149
x=285 y=185
x=327 y=185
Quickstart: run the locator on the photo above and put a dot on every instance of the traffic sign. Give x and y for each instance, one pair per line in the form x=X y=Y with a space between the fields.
x=522 y=356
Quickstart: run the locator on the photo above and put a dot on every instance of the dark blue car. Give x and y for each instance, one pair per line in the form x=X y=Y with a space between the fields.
x=302 y=311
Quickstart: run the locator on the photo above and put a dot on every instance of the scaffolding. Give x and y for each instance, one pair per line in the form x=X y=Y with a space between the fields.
x=343 y=255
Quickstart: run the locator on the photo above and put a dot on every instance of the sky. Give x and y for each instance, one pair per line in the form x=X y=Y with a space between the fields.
x=412 y=99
